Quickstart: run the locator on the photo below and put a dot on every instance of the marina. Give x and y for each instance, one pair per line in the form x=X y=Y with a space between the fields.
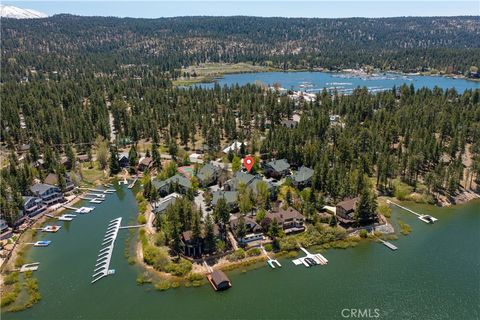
x=105 y=254
x=424 y=217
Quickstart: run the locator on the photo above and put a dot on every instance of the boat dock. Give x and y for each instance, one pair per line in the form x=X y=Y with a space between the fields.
x=271 y=262
x=41 y=243
x=388 y=244
x=96 y=195
x=29 y=267
x=135 y=226
x=131 y=185
x=310 y=259
x=105 y=254
x=424 y=217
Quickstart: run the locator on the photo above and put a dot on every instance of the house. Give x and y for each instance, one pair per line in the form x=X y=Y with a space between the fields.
x=145 y=163
x=123 y=160
x=162 y=205
x=196 y=247
x=250 y=181
x=52 y=179
x=345 y=210
x=219 y=280
x=82 y=158
x=208 y=174
x=177 y=183
x=254 y=232
x=303 y=177
x=234 y=147
x=33 y=206
x=287 y=123
x=5 y=231
x=231 y=198
x=49 y=194
x=277 y=168
x=290 y=220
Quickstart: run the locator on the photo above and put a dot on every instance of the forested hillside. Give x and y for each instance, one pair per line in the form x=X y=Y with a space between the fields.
x=75 y=46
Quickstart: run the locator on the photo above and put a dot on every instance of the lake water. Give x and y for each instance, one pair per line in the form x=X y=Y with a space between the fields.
x=344 y=82
x=435 y=274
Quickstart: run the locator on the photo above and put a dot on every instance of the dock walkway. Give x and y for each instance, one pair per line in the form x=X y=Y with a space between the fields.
x=424 y=217
x=105 y=254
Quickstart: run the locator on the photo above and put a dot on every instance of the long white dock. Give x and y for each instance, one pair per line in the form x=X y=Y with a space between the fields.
x=131 y=185
x=105 y=254
x=424 y=217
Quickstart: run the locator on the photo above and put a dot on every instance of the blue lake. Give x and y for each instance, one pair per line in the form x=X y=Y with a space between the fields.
x=343 y=82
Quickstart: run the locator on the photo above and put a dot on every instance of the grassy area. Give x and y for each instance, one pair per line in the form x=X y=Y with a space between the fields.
x=90 y=175
x=207 y=72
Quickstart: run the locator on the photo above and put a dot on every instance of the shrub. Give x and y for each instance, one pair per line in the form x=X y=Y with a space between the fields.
x=254 y=252
x=141 y=219
x=181 y=268
x=363 y=233
x=405 y=229
x=268 y=247
x=237 y=255
x=160 y=239
x=385 y=210
x=195 y=276
x=401 y=190
x=162 y=286
x=11 y=278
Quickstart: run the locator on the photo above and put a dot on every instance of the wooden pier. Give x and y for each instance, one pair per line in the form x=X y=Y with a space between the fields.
x=424 y=217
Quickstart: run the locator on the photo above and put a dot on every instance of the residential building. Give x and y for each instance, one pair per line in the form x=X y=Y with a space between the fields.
x=196 y=247
x=162 y=205
x=5 y=231
x=231 y=198
x=290 y=220
x=145 y=163
x=250 y=181
x=177 y=183
x=33 y=206
x=234 y=147
x=49 y=194
x=254 y=231
x=208 y=174
x=345 y=210
x=303 y=177
x=123 y=160
x=277 y=168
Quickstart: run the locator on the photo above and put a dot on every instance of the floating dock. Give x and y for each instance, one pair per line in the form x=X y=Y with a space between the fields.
x=49 y=228
x=105 y=254
x=271 y=262
x=29 y=267
x=41 y=243
x=310 y=259
x=424 y=217
x=131 y=185
x=388 y=244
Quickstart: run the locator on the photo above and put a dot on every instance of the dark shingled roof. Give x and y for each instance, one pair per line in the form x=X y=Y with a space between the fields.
x=229 y=196
x=279 y=165
x=282 y=215
x=303 y=174
x=348 y=205
x=218 y=277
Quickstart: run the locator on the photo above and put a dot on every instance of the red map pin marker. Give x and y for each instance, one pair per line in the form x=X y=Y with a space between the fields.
x=248 y=162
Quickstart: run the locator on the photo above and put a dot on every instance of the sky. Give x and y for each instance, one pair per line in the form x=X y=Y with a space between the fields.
x=269 y=8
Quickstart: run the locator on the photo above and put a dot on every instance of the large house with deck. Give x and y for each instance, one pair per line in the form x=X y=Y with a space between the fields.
x=49 y=194
x=290 y=220
x=277 y=168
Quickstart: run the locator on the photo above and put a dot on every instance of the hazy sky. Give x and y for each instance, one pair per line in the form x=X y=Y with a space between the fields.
x=323 y=9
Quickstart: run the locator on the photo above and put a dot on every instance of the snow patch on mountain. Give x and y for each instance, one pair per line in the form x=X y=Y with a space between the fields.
x=18 y=13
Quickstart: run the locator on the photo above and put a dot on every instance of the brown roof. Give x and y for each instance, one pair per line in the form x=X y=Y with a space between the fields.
x=348 y=205
x=51 y=179
x=188 y=235
x=282 y=215
x=218 y=277
x=146 y=161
